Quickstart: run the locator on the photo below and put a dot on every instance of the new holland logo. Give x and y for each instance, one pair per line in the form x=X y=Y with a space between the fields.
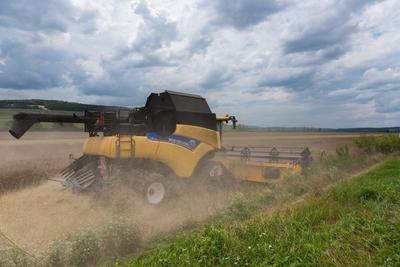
x=179 y=140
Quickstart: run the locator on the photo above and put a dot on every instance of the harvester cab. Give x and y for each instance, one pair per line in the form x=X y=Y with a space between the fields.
x=174 y=136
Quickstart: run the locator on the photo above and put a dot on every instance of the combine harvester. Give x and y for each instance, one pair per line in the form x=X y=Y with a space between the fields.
x=175 y=135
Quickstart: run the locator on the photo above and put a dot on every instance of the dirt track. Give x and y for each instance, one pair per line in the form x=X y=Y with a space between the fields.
x=35 y=156
x=36 y=215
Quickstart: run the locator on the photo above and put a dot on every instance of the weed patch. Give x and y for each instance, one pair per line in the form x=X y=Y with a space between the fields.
x=383 y=144
x=13 y=257
x=87 y=248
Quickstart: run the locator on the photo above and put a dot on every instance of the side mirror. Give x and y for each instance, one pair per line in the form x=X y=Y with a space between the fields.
x=234 y=121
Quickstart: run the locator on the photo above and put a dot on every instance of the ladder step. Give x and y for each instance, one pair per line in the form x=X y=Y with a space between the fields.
x=125 y=146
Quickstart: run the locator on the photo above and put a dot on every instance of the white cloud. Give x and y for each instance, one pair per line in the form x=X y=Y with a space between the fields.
x=311 y=63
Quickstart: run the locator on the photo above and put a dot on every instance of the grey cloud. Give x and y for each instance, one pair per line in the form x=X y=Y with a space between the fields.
x=382 y=86
x=389 y=102
x=334 y=52
x=385 y=102
x=200 y=44
x=332 y=34
x=119 y=79
x=44 y=15
x=296 y=82
x=128 y=86
x=244 y=13
x=124 y=78
x=87 y=21
x=155 y=32
x=385 y=79
x=27 y=67
x=332 y=37
x=125 y=71
x=217 y=77
x=151 y=61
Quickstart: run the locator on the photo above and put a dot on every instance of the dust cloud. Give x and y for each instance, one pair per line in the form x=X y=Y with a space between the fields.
x=36 y=215
x=33 y=217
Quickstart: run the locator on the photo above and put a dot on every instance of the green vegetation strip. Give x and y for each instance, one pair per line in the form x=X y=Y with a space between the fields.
x=357 y=223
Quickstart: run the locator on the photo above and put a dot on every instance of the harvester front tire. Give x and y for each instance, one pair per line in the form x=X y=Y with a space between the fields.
x=155 y=190
x=213 y=175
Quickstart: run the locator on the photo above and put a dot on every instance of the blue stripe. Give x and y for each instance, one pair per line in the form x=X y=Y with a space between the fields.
x=179 y=140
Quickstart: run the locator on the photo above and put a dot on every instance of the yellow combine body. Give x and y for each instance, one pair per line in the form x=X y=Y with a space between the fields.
x=177 y=134
x=256 y=171
x=181 y=157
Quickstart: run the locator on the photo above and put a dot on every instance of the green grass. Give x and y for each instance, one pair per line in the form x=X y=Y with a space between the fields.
x=382 y=144
x=356 y=223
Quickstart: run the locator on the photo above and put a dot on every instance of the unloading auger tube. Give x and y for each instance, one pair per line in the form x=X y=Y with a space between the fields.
x=175 y=135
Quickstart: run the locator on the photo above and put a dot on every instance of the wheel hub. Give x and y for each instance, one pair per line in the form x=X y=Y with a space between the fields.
x=155 y=193
x=216 y=171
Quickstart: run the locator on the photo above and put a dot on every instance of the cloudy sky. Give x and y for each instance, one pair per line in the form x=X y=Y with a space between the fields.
x=272 y=63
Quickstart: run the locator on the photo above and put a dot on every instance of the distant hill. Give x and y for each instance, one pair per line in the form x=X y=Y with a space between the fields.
x=50 y=105
x=242 y=127
x=366 y=129
x=10 y=107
